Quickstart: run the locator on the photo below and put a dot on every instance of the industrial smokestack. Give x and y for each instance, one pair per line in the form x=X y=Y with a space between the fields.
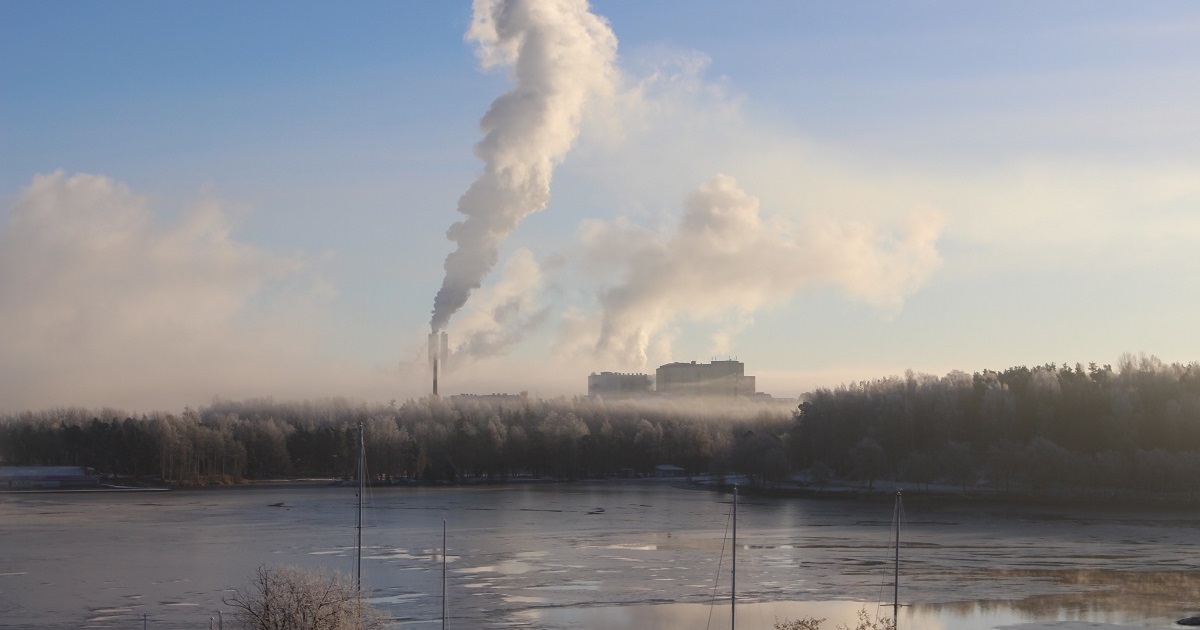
x=439 y=349
x=436 y=350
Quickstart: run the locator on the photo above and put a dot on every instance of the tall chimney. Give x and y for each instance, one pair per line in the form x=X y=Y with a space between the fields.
x=435 y=370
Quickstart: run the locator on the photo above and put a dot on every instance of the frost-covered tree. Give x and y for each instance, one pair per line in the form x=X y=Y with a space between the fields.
x=291 y=598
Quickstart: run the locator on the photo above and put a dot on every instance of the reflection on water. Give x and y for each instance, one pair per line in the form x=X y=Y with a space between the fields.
x=763 y=615
x=636 y=555
x=1091 y=594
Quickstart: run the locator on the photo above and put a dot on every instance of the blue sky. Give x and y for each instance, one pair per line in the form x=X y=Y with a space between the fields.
x=251 y=199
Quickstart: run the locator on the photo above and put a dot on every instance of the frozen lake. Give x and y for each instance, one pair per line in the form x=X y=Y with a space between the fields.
x=593 y=555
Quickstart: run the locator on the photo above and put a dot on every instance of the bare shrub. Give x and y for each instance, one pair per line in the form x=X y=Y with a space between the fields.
x=291 y=598
x=812 y=623
x=807 y=623
x=866 y=623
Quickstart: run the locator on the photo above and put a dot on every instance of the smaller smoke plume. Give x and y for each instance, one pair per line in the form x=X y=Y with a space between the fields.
x=561 y=56
x=723 y=259
x=503 y=314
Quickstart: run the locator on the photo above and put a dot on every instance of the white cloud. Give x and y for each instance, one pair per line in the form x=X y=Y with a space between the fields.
x=102 y=303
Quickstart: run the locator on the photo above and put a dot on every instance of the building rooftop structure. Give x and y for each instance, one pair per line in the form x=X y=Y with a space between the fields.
x=719 y=378
x=723 y=379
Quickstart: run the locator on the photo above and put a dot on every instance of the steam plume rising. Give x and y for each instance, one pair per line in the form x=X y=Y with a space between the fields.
x=723 y=256
x=560 y=56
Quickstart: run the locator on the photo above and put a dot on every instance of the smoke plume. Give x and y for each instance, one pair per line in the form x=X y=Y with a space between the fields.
x=560 y=56
x=723 y=258
x=505 y=312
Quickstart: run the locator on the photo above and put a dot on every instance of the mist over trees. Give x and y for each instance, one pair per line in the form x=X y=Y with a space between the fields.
x=1050 y=428
x=430 y=438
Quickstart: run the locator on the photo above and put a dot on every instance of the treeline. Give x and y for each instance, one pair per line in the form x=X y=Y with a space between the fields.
x=1048 y=428
x=429 y=439
x=1052 y=427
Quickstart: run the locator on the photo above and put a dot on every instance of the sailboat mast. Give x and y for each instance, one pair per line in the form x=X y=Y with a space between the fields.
x=733 y=572
x=896 y=567
x=358 y=514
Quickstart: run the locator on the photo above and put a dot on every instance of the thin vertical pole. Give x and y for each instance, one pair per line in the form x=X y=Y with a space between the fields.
x=896 y=568
x=358 y=518
x=443 y=574
x=733 y=572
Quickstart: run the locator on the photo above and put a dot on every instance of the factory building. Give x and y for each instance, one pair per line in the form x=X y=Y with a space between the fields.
x=726 y=379
x=719 y=378
x=619 y=385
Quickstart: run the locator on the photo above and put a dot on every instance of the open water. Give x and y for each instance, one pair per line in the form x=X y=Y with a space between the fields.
x=644 y=554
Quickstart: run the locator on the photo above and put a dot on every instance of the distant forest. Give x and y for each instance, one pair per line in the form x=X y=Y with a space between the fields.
x=1051 y=428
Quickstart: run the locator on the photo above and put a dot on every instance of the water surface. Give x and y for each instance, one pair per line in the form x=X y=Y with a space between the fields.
x=592 y=555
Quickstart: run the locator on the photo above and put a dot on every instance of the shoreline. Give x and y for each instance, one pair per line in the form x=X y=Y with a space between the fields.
x=942 y=497
x=83 y=490
x=982 y=498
